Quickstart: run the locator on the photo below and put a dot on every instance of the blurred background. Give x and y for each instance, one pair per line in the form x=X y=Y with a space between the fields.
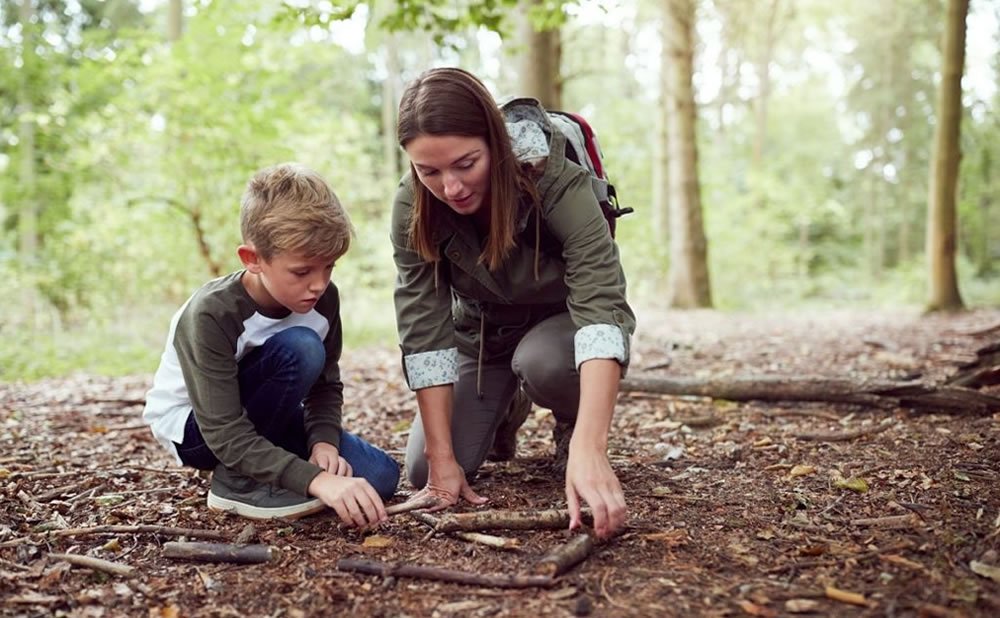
x=780 y=155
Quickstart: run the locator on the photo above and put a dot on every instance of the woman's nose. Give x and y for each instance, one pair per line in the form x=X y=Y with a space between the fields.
x=452 y=186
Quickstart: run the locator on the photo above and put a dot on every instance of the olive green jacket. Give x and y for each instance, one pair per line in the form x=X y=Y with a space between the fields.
x=449 y=306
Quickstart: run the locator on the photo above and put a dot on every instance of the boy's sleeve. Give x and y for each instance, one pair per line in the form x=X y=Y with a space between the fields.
x=325 y=402
x=207 y=358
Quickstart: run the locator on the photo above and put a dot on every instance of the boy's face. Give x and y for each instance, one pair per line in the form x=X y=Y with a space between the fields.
x=290 y=280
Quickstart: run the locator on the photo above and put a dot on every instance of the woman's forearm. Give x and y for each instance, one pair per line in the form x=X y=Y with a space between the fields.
x=435 y=403
x=599 y=380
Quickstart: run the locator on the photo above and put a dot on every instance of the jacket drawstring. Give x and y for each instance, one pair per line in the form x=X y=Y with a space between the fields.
x=479 y=362
x=538 y=239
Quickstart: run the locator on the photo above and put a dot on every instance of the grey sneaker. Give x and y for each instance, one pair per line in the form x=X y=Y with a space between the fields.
x=561 y=435
x=244 y=496
x=505 y=440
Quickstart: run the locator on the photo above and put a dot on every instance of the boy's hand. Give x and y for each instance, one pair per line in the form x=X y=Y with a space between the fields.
x=326 y=456
x=354 y=499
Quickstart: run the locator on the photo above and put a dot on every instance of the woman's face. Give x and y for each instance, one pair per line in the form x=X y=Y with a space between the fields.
x=455 y=168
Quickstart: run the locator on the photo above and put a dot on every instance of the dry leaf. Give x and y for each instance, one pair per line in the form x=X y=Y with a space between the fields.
x=801 y=470
x=853 y=483
x=112 y=545
x=671 y=538
x=845 y=596
x=904 y=562
x=756 y=610
x=985 y=570
x=801 y=606
x=169 y=611
x=377 y=540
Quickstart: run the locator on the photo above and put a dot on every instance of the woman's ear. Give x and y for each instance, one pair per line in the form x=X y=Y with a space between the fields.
x=250 y=258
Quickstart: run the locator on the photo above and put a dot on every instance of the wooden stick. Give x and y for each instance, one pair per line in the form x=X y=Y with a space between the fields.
x=844 y=596
x=96 y=564
x=384 y=569
x=892 y=522
x=498 y=542
x=564 y=557
x=220 y=552
x=411 y=505
x=504 y=520
x=59 y=491
x=164 y=530
x=844 y=436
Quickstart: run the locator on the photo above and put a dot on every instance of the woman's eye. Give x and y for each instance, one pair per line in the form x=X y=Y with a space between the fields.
x=464 y=165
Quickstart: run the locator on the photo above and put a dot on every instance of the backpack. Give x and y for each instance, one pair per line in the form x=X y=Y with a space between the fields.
x=582 y=148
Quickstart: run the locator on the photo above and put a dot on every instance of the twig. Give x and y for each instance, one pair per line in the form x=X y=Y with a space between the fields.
x=220 y=552
x=604 y=590
x=498 y=542
x=830 y=416
x=411 y=505
x=844 y=436
x=384 y=569
x=852 y=598
x=505 y=520
x=96 y=564
x=891 y=522
x=59 y=491
x=564 y=557
x=164 y=530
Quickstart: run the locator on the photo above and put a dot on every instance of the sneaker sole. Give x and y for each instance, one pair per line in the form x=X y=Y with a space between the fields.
x=218 y=503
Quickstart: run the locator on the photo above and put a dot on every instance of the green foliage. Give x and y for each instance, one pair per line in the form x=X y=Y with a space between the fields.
x=142 y=149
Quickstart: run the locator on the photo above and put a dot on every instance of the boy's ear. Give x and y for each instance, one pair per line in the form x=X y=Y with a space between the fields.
x=251 y=260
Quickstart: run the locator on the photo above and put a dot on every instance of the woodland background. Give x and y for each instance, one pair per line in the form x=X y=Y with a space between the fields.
x=779 y=154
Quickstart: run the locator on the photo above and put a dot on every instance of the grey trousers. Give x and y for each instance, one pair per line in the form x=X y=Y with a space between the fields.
x=544 y=363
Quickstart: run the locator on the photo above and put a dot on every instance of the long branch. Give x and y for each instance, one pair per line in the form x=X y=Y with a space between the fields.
x=385 y=569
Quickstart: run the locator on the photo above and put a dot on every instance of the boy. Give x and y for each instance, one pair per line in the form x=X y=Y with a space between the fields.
x=249 y=384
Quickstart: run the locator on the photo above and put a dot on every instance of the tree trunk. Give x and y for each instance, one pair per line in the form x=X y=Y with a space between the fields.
x=689 y=285
x=175 y=20
x=390 y=147
x=28 y=212
x=942 y=213
x=661 y=146
x=540 y=60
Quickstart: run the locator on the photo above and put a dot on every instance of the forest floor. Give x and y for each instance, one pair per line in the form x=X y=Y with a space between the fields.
x=734 y=508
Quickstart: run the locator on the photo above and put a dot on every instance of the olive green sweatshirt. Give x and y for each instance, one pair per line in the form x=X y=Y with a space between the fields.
x=209 y=335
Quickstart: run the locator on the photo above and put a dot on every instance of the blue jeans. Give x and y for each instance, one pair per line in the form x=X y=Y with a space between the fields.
x=274 y=379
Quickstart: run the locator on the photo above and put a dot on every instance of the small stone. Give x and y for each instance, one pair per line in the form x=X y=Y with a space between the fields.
x=583 y=606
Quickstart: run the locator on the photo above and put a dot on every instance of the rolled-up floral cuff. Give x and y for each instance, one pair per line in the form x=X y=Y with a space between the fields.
x=599 y=341
x=431 y=368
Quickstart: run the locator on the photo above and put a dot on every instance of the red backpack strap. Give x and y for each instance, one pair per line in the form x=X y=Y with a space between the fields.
x=590 y=141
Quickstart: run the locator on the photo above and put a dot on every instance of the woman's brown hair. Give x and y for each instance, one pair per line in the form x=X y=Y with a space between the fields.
x=450 y=101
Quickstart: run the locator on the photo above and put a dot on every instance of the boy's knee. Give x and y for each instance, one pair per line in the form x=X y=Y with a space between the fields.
x=386 y=483
x=305 y=345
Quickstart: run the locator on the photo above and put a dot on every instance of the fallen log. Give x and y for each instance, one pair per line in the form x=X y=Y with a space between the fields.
x=372 y=567
x=566 y=556
x=984 y=371
x=220 y=552
x=915 y=395
x=505 y=520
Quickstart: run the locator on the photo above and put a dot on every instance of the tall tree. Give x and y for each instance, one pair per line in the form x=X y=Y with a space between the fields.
x=942 y=219
x=541 y=53
x=28 y=215
x=689 y=281
x=175 y=20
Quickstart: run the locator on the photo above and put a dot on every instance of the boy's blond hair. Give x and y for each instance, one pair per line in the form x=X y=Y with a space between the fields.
x=290 y=208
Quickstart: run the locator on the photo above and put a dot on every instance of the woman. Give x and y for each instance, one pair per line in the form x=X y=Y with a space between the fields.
x=507 y=276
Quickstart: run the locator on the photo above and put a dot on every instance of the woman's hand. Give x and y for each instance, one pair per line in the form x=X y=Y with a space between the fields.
x=589 y=477
x=354 y=499
x=446 y=482
x=326 y=456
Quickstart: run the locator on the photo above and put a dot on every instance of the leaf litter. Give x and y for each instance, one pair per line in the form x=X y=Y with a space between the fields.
x=729 y=512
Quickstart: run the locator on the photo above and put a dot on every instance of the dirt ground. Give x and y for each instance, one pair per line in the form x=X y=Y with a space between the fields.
x=734 y=509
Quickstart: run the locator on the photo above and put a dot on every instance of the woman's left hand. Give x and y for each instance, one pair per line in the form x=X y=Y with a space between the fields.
x=589 y=477
x=327 y=456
